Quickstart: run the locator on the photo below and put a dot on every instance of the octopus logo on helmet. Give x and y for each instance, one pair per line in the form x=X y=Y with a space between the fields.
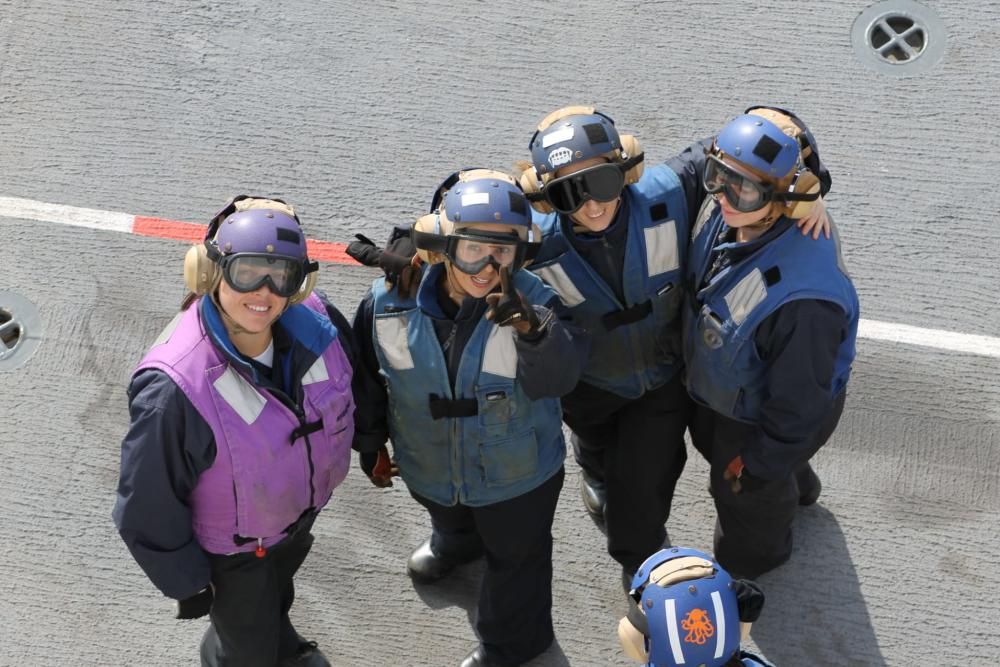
x=478 y=217
x=252 y=242
x=687 y=611
x=757 y=159
x=571 y=135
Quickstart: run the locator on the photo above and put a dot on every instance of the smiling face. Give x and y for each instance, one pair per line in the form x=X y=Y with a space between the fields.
x=594 y=215
x=477 y=286
x=252 y=313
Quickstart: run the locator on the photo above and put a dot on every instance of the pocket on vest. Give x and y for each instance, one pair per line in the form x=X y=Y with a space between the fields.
x=509 y=460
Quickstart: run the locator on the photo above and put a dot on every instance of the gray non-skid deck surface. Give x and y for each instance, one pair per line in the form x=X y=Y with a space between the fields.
x=354 y=111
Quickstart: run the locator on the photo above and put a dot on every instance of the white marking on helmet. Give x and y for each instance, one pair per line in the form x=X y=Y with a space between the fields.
x=474 y=198
x=675 y=639
x=720 y=624
x=560 y=156
x=558 y=136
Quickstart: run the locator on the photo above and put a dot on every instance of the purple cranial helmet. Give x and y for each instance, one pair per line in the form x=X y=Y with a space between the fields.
x=250 y=243
x=261 y=230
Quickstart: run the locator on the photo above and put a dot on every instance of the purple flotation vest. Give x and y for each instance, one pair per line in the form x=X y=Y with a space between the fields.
x=262 y=480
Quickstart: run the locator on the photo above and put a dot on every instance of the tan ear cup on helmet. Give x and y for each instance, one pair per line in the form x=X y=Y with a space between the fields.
x=528 y=180
x=631 y=147
x=200 y=273
x=307 y=287
x=632 y=641
x=805 y=182
x=429 y=225
x=536 y=237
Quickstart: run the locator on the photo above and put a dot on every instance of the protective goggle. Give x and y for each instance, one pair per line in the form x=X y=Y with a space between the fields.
x=743 y=192
x=470 y=251
x=249 y=272
x=602 y=182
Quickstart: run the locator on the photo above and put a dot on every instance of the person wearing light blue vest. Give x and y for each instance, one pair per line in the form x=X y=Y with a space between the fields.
x=464 y=379
x=770 y=333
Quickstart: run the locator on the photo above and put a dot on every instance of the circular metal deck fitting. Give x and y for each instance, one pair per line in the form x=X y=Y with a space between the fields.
x=898 y=37
x=20 y=330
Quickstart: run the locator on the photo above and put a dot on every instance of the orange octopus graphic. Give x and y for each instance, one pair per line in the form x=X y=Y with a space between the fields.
x=699 y=627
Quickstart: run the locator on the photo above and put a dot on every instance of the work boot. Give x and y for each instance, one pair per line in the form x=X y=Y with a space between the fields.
x=478 y=658
x=594 y=494
x=308 y=655
x=627 y=576
x=809 y=485
x=425 y=566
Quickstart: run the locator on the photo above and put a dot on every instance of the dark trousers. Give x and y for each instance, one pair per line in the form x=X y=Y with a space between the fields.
x=636 y=448
x=515 y=598
x=753 y=531
x=250 y=625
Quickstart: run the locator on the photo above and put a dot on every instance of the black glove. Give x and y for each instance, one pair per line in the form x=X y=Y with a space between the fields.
x=379 y=467
x=196 y=606
x=749 y=600
x=509 y=308
x=395 y=260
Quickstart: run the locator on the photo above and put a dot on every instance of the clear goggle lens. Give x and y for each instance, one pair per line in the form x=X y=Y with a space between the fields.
x=472 y=255
x=248 y=273
x=741 y=191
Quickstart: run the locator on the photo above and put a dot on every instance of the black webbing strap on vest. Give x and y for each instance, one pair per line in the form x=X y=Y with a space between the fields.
x=452 y=407
x=618 y=318
x=306 y=429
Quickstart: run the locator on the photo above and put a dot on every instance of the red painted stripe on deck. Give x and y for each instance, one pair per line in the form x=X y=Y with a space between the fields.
x=192 y=232
x=168 y=229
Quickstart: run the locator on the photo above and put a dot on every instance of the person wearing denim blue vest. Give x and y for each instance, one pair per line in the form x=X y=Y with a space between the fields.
x=464 y=379
x=770 y=333
x=242 y=421
x=687 y=610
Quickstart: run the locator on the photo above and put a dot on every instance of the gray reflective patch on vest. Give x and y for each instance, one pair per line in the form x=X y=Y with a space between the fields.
x=240 y=395
x=704 y=213
x=168 y=330
x=836 y=244
x=661 y=248
x=500 y=357
x=555 y=276
x=316 y=373
x=394 y=341
x=746 y=296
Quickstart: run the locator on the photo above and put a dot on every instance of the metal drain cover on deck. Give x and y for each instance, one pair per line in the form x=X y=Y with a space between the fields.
x=898 y=37
x=20 y=330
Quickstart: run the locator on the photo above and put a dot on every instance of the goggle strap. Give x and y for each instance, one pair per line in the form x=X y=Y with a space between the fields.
x=430 y=242
x=797 y=196
x=632 y=162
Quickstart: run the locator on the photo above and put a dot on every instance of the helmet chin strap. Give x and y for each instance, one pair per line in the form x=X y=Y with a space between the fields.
x=455 y=290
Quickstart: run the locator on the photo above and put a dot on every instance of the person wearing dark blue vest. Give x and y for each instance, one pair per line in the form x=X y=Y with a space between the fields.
x=689 y=611
x=241 y=426
x=770 y=333
x=614 y=243
x=464 y=379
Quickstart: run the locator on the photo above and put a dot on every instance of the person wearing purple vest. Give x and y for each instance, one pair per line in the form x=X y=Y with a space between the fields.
x=242 y=418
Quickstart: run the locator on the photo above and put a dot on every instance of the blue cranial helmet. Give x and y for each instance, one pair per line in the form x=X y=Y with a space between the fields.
x=571 y=135
x=476 y=197
x=690 y=608
x=760 y=145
